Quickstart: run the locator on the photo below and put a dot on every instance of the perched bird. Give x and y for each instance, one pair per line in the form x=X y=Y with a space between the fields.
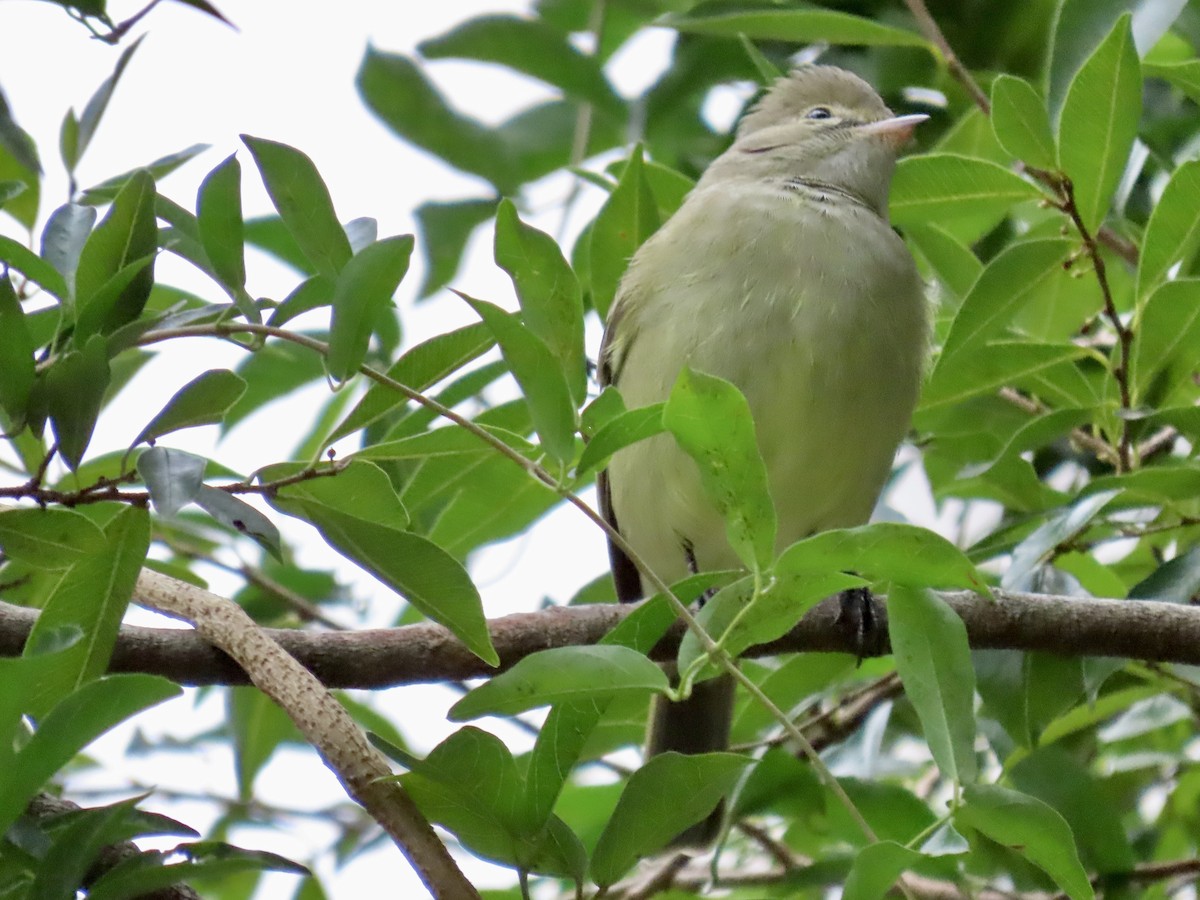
x=780 y=273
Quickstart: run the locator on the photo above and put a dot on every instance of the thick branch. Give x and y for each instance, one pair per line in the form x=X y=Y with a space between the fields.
x=377 y=658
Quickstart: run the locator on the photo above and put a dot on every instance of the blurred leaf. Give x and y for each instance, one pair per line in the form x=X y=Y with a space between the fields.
x=800 y=26
x=66 y=232
x=561 y=674
x=94 y=111
x=938 y=187
x=629 y=216
x=270 y=234
x=106 y=190
x=202 y=401
x=219 y=216
x=539 y=374
x=531 y=47
x=627 y=428
x=363 y=291
x=32 y=267
x=1021 y=123
x=16 y=355
x=273 y=371
x=1173 y=232
x=445 y=229
x=662 y=798
x=952 y=261
x=1094 y=139
x=1029 y=827
x=16 y=141
x=303 y=202
x=876 y=868
x=75 y=387
x=258 y=727
x=1167 y=338
x=173 y=477
x=1055 y=532
x=551 y=303
x=48 y=538
x=929 y=642
x=1184 y=75
x=116 y=268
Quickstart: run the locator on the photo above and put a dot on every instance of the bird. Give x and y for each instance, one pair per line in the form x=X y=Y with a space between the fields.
x=781 y=273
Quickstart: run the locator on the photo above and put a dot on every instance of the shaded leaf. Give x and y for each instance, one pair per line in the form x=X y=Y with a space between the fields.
x=219 y=217
x=800 y=26
x=629 y=216
x=363 y=291
x=173 y=477
x=75 y=387
x=202 y=401
x=1173 y=232
x=445 y=229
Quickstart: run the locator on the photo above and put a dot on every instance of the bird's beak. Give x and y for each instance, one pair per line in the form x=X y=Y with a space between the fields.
x=897 y=130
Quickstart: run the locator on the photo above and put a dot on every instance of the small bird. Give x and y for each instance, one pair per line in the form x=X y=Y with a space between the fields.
x=780 y=273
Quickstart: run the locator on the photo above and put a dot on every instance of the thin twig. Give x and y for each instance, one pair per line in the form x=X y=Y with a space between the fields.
x=953 y=63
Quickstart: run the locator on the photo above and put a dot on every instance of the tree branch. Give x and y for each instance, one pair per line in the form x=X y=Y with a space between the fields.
x=428 y=653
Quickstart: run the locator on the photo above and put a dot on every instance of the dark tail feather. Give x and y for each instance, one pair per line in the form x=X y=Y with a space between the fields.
x=699 y=724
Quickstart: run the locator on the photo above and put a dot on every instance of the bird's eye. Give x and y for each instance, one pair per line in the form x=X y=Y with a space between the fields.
x=819 y=112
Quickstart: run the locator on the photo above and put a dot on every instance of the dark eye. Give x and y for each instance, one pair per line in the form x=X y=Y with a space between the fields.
x=819 y=112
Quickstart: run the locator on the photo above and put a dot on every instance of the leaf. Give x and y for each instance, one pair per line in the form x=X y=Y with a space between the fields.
x=69 y=727
x=202 y=401
x=939 y=187
x=621 y=431
x=662 y=798
x=993 y=366
x=629 y=216
x=66 y=232
x=420 y=367
x=91 y=597
x=126 y=236
x=106 y=190
x=1021 y=123
x=1184 y=75
x=1099 y=123
x=363 y=291
x=303 y=202
x=561 y=674
x=445 y=229
x=94 y=111
x=929 y=642
x=532 y=47
x=75 y=386
x=16 y=141
x=16 y=356
x=360 y=516
x=1167 y=338
x=257 y=727
x=798 y=26
x=955 y=265
x=711 y=421
x=48 y=538
x=538 y=373
x=551 y=301
x=1173 y=232
x=1056 y=531
x=173 y=477
x=1031 y=828
x=32 y=267
x=240 y=516
x=876 y=868
x=222 y=229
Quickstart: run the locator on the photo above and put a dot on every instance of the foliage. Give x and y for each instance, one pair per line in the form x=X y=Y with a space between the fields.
x=1054 y=208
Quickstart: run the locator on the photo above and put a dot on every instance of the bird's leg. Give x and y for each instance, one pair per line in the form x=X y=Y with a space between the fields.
x=858 y=620
x=689 y=553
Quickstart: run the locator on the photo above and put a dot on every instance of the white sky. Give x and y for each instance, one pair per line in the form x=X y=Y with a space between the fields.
x=287 y=74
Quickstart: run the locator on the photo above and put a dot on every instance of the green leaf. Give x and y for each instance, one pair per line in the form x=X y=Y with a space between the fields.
x=94 y=111
x=799 y=26
x=1173 y=232
x=1184 y=75
x=445 y=229
x=1099 y=123
x=955 y=265
x=1167 y=338
x=302 y=199
x=629 y=216
x=16 y=141
x=258 y=726
x=126 y=237
x=222 y=230
x=207 y=862
x=1021 y=123
x=159 y=169
x=48 y=538
x=940 y=187
x=397 y=91
x=16 y=356
x=363 y=291
x=69 y=727
x=202 y=401
x=992 y=367
x=551 y=301
x=32 y=267
x=359 y=515
x=66 y=232
x=420 y=367
x=627 y=428
x=540 y=376
x=711 y=421
x=75 y=387
x=561 y=674
x=1031 y=828
x=173 y=477
x=929 y=643
x=240 y=516
x=91 y=596
x=876 y=868
x=662 y=798
x=532 y=47
x=1055 y=532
